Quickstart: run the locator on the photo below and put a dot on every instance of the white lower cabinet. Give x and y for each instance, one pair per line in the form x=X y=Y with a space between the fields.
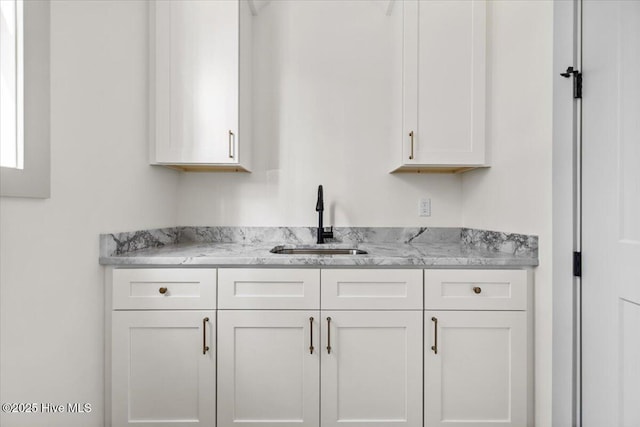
x=310 y=348
x=284 y=366
x=163 y=368
x=273 y=364
x=475 y=369
x=371 y=368
x=268 y=371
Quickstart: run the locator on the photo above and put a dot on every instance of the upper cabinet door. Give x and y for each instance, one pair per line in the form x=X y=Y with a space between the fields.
x=444 y=84
x=194 y=67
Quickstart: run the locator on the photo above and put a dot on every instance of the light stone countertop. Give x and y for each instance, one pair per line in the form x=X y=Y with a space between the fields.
x=250 y=246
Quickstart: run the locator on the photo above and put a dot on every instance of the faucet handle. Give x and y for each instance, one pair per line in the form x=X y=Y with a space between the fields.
x=329 y=233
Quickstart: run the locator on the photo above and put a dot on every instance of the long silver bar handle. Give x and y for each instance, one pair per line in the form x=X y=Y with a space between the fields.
x=435 y=334
x=205 y=347
x=231 y=139
x=311 y=335
x=328 y=335
x=411 y=138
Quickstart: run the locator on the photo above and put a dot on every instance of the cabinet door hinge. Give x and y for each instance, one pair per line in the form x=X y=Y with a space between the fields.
x=577 y=81
x=577 y=264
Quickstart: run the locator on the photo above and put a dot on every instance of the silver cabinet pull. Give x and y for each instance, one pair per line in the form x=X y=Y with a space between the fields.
x=311 y=335
x=163 y=290
x=411 y=138
x=231 y=138
x=435 y=334
x=328 y=335
x=477 y=289
x=205 y=347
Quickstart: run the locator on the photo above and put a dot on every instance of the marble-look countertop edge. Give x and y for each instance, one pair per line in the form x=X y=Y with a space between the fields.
x=315 y=261
x=252 y=262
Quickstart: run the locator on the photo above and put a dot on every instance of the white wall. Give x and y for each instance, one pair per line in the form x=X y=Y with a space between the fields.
x=515 y=194
x=327 y=110
x=51 y=286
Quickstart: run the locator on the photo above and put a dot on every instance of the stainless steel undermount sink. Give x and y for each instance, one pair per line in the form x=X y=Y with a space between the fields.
x=316 y=251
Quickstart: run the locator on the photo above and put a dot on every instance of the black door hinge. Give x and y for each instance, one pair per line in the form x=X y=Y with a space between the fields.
x=577 y=264
x=577 y=81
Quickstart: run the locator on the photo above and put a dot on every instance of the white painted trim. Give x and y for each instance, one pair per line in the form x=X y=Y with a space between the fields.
x=565 y=170
x=34 y=179
x=20 y=84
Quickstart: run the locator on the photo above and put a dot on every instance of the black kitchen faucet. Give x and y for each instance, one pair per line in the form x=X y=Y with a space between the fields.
x=322 y=234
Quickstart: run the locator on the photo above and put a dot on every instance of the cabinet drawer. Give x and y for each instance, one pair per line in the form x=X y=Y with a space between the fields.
x=475 y=289
x=371 y=289
x=164 y=289
x=246 y=288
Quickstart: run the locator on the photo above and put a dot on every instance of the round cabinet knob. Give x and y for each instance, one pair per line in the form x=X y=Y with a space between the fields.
x=162 y=290
x=477 y=289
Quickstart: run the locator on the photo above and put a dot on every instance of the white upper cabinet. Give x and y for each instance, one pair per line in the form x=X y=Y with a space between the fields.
x=197 y=84
x=444 y=66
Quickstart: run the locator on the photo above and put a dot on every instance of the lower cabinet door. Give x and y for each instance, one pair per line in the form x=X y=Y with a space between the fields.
x=163 y=368
x=475 y=369
x=268 y=368
x=371 y=368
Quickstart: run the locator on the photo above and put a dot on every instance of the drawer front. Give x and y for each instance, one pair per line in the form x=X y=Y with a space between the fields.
x=371 y=289
x=265 y=289
x=475 y=289
x=164 y=289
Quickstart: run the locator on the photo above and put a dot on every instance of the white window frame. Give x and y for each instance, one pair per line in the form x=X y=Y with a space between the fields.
x=11 y=127
x=33 y=179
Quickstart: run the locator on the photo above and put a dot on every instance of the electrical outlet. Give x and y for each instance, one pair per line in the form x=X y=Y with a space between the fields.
x=424 y=208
